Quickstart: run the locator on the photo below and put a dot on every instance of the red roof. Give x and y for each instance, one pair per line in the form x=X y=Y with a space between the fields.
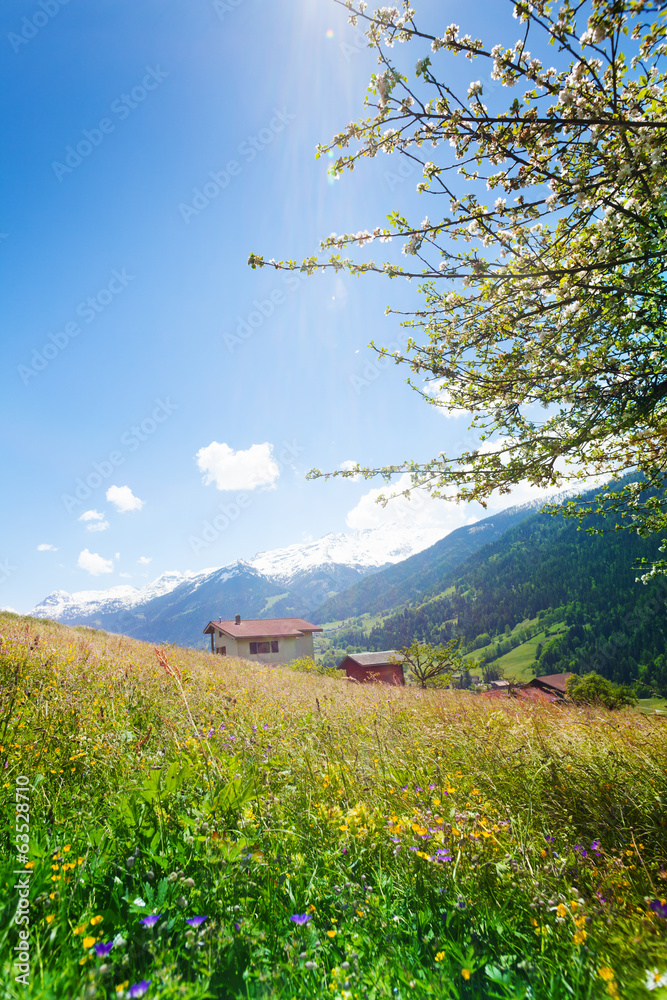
x=262 y=628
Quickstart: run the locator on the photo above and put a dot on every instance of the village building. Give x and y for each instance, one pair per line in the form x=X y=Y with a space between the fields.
x=267 y=640
x=555 y=684
x=368 y=668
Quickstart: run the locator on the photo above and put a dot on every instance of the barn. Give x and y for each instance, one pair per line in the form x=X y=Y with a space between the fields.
x=369 y=668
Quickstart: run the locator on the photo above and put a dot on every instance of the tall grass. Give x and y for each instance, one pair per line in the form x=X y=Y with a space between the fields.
x=431 y=844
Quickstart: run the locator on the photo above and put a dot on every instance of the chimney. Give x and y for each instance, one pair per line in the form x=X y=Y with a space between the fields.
x=238 y=620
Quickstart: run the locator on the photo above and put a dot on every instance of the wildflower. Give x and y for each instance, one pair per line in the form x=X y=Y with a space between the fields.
x=310 y=965
x=300 y=918
x=50 y=918
x=119 y=941
x=654 y=980
x=139 y=989
x=96 y=920
x=606 y=973
x=150 y=921
x=121 y=986
x=196 y=921
x=139 y=901
x=88 y=942
x=466 y=973
x=331 y=934
x=102 y=950
x=659 y=906
x=439 y=957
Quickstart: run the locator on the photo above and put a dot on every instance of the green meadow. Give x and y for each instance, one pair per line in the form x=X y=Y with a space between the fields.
x=190 y=826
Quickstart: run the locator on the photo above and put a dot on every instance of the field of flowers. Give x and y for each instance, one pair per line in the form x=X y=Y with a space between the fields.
x=182 y=825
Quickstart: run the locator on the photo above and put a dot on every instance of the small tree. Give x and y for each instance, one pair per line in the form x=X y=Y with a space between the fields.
x=491 y=672
x=426 y=662
x=592 y=689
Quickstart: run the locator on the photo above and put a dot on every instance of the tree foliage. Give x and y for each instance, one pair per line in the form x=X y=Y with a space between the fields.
x=426 y=662
x=592 y=689
x=541 y=257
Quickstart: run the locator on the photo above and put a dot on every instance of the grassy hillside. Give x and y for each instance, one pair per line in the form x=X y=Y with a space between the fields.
x=205 y=827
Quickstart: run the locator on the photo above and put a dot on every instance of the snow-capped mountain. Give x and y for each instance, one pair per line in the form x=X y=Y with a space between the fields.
x=369 y=549
x=335 y=561
x=64 y=606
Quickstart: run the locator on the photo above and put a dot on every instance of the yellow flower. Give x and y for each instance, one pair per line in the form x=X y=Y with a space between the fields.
x=439 y=957
x=466 y=973
x=88 y=942
x=561 y=910
x=606 y=973
x=96 y=920
x=80 y=929
x=67 y=847
x=51 y=917
x=574 y=905
x=331 y=934
x=122 y=986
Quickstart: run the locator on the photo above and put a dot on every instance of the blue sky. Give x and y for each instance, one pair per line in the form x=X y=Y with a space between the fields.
x=150 y=146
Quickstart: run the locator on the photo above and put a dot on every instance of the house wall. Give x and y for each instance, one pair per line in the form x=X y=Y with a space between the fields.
x=289 y=647
x=384 y=673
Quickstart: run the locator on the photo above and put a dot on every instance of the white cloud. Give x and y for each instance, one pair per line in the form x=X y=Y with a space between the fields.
x=144 y=560
x=126 y=576
x=45 y=547
x=123 y=499
x=238 y=470
x=91 y=515
x=421 y=511
x=425 y=512
x=94 y=563
x=96 y=521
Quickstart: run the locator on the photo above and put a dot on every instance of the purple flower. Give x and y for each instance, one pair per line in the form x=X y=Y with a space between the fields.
x=196 y=921
x=149 y=921
x=595 y=847
x=237 y=927
x=581 y=850
x=659 y=907
x=139 y=989
x=103 y=949
x=549 y=840
x=300 y=918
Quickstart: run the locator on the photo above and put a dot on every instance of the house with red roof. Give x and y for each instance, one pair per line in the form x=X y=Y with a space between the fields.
x=267 y=640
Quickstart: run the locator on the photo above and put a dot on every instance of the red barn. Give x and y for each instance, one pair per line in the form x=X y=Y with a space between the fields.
x=369 y=668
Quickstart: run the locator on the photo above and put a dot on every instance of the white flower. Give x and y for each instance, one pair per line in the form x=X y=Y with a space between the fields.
x=474 y=88
x=139 y=901
x=654 y=980
x=499 y=203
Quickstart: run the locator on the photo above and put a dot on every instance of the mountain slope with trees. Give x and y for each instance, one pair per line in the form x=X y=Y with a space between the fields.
x=407 y=580
x=544 y=566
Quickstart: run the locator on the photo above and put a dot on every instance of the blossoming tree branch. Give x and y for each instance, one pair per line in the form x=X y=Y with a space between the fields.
x=541 y=257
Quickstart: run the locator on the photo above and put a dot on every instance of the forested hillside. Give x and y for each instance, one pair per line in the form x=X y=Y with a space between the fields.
x=615 y=625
